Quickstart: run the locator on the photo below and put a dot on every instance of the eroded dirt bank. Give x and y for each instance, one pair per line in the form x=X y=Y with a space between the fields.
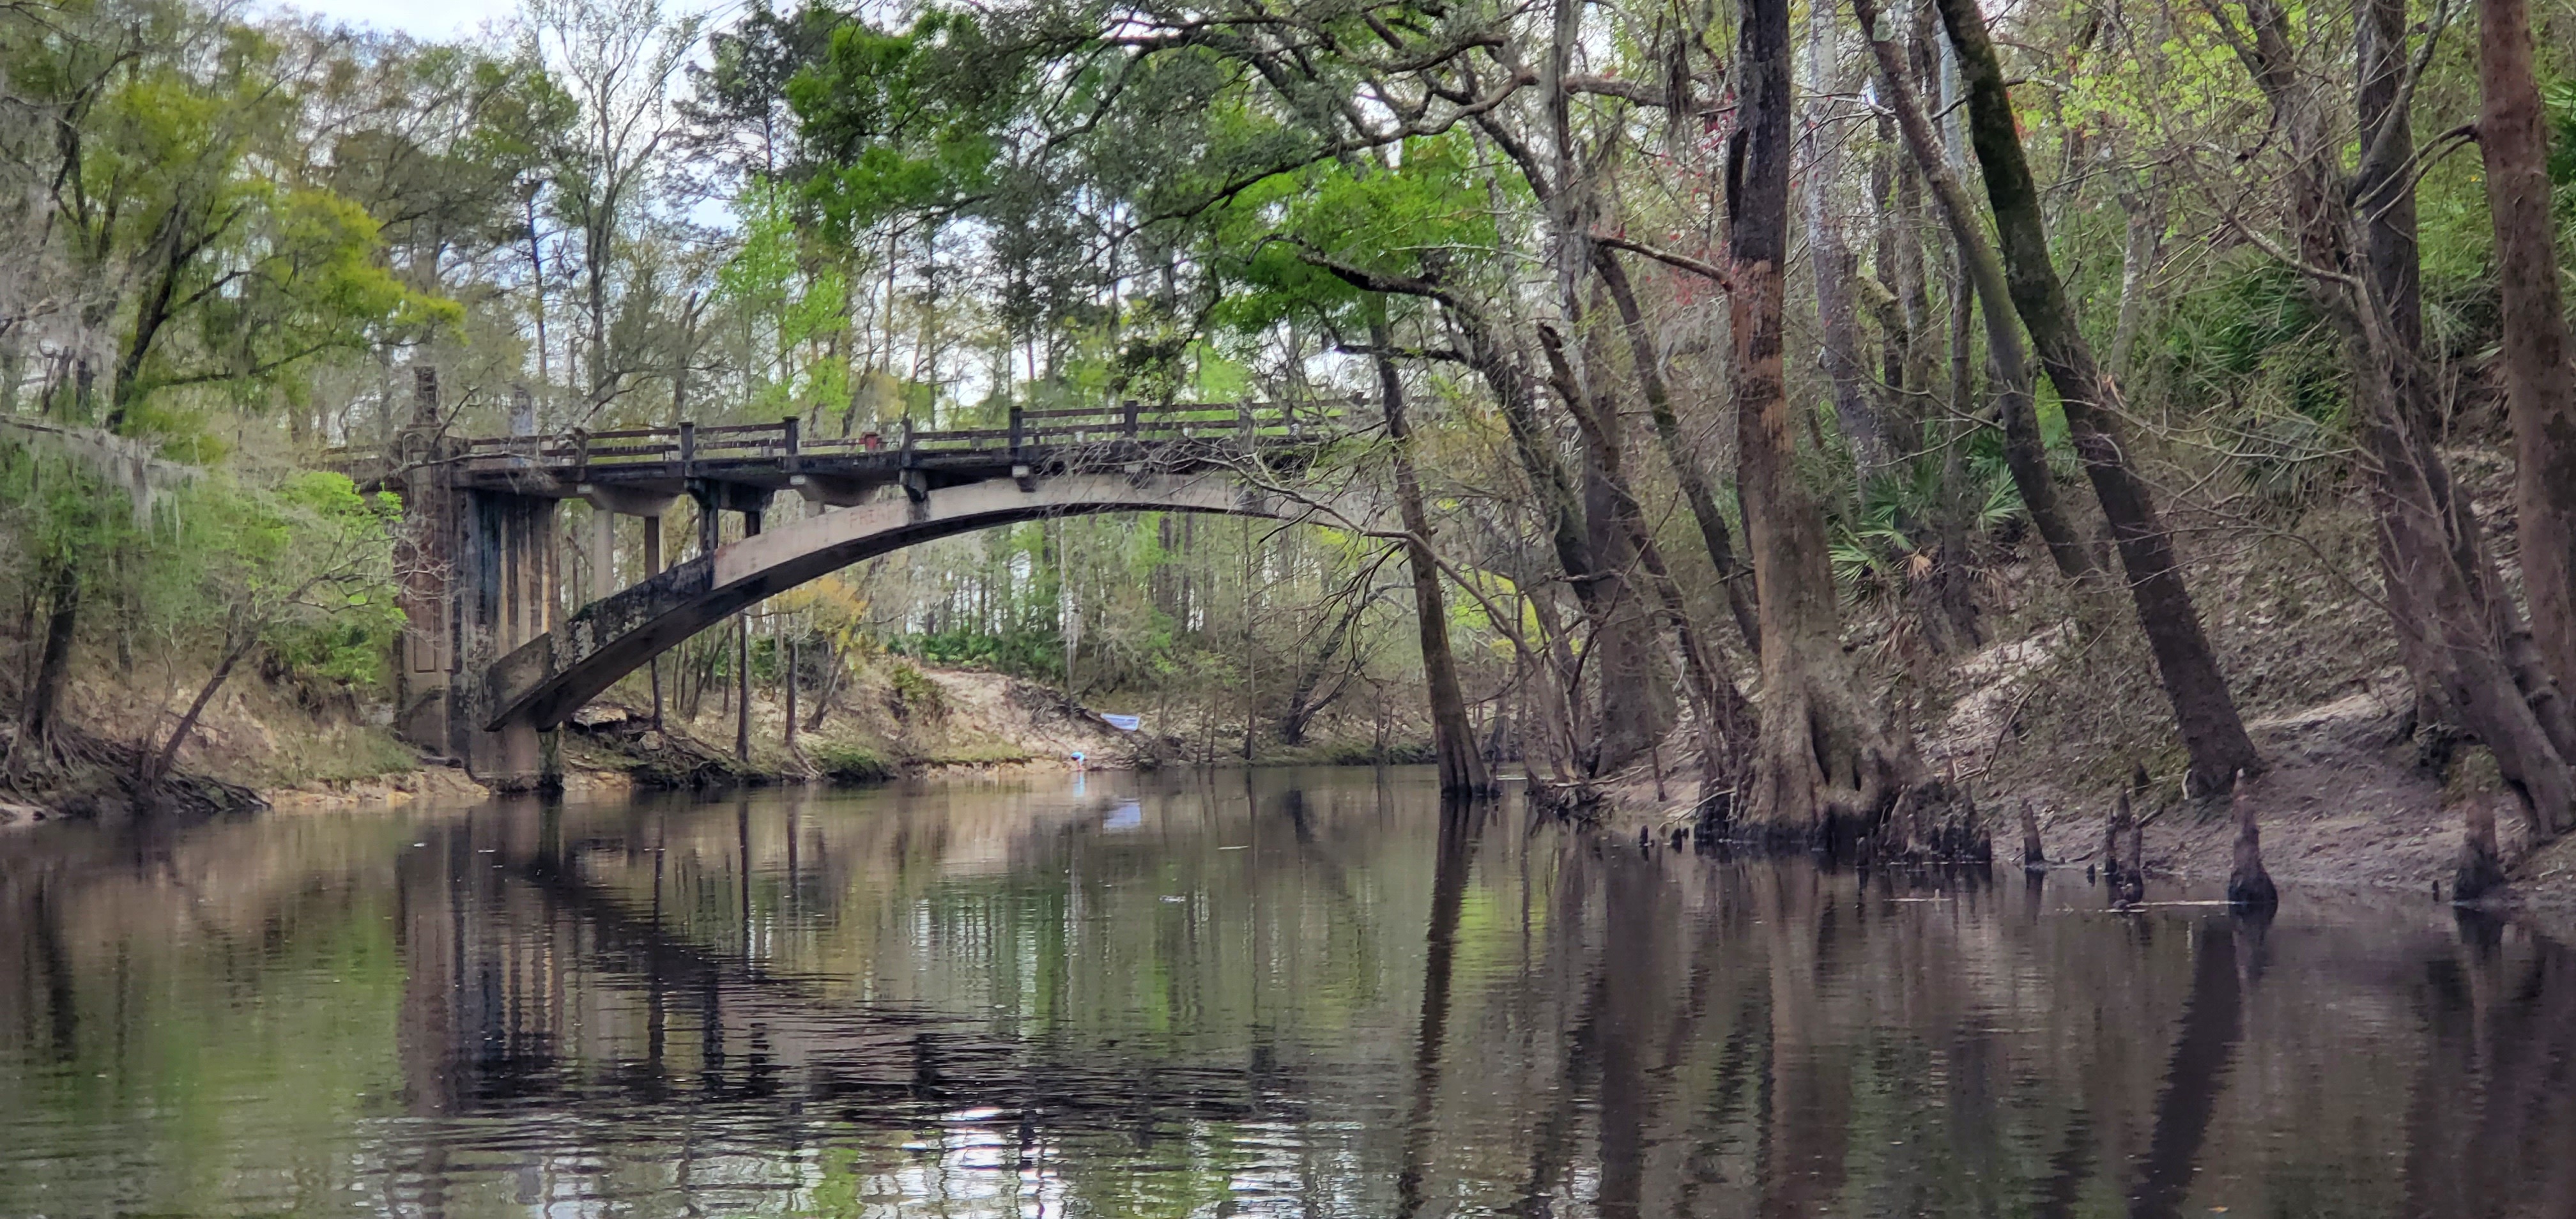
x=2349 y=800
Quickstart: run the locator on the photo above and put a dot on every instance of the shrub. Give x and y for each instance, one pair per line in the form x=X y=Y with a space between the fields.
x=844 y=763
x=914 y=696
x=1021 y=653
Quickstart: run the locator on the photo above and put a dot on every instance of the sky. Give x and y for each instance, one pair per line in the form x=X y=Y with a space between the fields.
x=423 y=18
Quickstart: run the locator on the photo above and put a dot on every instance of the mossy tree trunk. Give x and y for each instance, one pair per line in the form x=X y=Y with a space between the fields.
x=2025 y=454
x=2212 y=731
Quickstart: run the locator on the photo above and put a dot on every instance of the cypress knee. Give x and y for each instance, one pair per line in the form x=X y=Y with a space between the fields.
x=2481 y=870
x=2112 y=832
x=2249 y=887
x=2137 y=873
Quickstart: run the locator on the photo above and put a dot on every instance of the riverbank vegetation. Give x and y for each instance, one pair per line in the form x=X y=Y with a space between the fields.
x=1822 y=417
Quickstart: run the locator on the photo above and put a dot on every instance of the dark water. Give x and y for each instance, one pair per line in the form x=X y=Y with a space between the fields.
x=1298 y=993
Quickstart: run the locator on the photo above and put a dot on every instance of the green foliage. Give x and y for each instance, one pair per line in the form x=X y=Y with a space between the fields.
x=2286 y=458
x=914 y=695
x=2560 y=98
x=2248 y=357
x=1363 y=753
x=1888 y=545
x=903 y=121
x=244 y=233
x=740 y=114
x=1031 y=653
x=304 y=569
x=308 y=279
x=182 y=187
x=300 y=569
x=345 y=652
x=1382 y=220
x=483 y=126
x=792 y=304
x=844 y=762
x=2251 y=323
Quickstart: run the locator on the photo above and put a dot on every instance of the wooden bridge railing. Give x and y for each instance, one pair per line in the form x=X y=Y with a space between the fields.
x=1028 y=431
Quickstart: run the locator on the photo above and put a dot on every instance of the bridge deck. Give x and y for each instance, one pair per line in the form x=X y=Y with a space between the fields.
x=775 y=456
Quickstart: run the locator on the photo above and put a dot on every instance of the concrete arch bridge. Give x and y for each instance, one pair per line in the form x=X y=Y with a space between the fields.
x=497 y=650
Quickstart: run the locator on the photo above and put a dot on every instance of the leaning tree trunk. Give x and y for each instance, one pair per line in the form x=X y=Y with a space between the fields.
x=2506 y=680
x=1686 y=469
x=1725 y=718
x=1827 y=766
x=2458 y=632
x=832 y=665
x=2383 y=194
x=158 y=763
x=1462 y=769
x=2384 y=186
x=2539 y=382
x=1836 y=265
x=2025 y=454
x=2206 y=713
x=1635 y=704
x=2452 y=621
x=1535 y=447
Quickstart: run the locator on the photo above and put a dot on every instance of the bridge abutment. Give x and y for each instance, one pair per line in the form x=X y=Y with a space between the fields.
x=511 y=572
x=481 y=576
x=426 y=670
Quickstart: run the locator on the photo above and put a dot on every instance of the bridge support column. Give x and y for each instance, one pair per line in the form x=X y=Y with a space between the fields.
x=509 y=578
x=606 y=505
x=480 y=577
x=603 y=556
x=425 y=663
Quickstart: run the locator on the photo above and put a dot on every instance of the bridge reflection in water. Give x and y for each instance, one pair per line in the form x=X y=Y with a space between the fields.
x=1292 y=993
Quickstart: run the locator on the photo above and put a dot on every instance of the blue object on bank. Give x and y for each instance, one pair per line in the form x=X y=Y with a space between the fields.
x=1125 y=723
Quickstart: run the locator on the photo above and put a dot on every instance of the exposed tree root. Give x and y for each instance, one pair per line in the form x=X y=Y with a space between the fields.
x=75 y=774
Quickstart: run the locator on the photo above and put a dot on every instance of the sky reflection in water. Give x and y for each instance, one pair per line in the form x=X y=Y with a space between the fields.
x=1288 y=993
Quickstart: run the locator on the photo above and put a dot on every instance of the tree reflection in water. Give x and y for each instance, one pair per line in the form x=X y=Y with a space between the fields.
x=1310 y=993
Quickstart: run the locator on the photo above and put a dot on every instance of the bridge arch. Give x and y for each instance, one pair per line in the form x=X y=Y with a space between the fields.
x=542 y=683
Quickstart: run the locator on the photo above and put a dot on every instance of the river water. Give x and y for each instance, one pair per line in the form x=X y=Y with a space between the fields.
x=1274 y=993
